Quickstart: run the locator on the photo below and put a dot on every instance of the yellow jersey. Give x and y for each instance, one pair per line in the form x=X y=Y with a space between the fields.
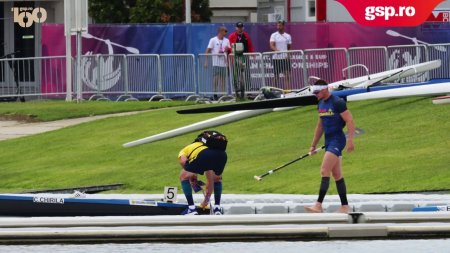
x=192 y=150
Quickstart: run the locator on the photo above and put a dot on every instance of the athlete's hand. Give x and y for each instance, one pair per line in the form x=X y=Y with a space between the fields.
x=204 y=205
x=350 y=146
x=312 y=150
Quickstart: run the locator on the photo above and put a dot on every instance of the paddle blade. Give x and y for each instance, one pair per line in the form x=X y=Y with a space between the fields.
x=265 y=104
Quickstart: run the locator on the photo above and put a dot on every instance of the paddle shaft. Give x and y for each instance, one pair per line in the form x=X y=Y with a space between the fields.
x=289 y=163
x=358 y=132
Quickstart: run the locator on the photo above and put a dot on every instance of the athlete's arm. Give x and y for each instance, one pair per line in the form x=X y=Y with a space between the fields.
x=348 y=118
x=317 y=135
x=182 y=160
x=209 y=186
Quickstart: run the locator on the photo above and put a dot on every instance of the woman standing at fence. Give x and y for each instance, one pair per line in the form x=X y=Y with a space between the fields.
x=219 y=45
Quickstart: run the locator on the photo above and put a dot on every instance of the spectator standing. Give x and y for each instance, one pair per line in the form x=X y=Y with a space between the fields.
x=241 y=43
x=219 y=46
x=281 y=41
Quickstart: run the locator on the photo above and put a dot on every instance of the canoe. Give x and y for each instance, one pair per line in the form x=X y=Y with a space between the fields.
x=53 y=205
x=422 y=90
x=386 y=76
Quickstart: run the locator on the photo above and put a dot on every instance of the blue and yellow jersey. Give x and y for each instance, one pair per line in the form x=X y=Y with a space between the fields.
x=330 y=113
x=192 y=150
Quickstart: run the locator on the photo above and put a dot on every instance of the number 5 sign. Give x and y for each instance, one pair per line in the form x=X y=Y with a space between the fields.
x=170 y=194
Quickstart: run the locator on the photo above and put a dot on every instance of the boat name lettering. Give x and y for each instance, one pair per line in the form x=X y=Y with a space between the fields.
x=143 y=202
x=48 y=200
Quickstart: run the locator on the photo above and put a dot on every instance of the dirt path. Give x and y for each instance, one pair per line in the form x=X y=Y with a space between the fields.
x=10 y=129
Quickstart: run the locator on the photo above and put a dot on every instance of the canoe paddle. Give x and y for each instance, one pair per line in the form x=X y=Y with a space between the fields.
x=358 y=132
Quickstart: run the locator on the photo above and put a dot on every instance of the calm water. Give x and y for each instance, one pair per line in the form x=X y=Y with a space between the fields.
x=410 y=246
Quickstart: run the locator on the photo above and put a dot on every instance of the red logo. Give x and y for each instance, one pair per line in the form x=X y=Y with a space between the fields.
x=390 y=12
x=439 y=16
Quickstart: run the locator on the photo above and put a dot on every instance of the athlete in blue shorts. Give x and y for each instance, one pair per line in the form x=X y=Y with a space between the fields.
x=198 y=158
x=333 y=117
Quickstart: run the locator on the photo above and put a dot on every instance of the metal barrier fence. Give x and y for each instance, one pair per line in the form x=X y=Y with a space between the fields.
x=247 y=75
x=213 y=75
x=442 y=52
x=326 y=63
x=144 y=75
x=178 y=74
x=374 y=58
x=33 y=77
x=407 y=55
x=126 y=77
x=284 y=69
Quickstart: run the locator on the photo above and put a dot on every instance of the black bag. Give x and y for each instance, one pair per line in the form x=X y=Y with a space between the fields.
x=213 y=139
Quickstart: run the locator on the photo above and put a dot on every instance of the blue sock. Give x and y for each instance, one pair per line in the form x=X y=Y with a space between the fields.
x=217 y=192
x=186 y=186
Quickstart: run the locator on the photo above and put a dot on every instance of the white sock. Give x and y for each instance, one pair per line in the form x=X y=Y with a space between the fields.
x=192 y=207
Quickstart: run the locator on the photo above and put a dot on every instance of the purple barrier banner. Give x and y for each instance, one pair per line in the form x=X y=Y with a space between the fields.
x=193 y=39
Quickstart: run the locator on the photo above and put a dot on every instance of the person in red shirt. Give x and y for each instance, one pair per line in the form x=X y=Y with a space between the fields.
x=241 y=43
x=239 y=36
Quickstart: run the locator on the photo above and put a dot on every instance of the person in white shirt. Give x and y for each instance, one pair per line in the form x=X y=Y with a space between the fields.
x=219 y=46
x=281 y=41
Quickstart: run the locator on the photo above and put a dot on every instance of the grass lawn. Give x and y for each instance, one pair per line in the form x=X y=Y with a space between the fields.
x=405 y=148
x=55 y=110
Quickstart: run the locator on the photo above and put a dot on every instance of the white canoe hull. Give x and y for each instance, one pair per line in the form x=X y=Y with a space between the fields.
x=422 y=90
x=216 y=121
x=390 y=75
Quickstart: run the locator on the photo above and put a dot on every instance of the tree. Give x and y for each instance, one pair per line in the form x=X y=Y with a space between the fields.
x=107 y=11
x=201 y=11
x=147 y=11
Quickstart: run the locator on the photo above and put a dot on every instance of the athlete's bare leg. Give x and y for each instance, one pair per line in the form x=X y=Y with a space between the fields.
x=329 y=161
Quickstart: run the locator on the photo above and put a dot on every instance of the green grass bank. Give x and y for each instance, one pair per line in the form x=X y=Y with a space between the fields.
x=406 y=147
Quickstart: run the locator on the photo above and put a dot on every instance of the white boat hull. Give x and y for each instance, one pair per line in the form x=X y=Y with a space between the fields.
x=422 y=90
x=390 y=75
x=216 y=121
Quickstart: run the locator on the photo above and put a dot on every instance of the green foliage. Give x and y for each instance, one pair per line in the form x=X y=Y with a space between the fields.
x=107 y=11
x=147 y=11
x=405 y=148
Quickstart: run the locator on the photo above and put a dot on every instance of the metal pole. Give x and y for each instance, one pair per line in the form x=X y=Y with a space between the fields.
x=68 y=69
x=79 y=97
x=68 y=51
x=188 y=11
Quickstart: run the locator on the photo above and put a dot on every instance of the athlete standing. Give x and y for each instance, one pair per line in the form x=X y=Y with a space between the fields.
x=333 y=116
